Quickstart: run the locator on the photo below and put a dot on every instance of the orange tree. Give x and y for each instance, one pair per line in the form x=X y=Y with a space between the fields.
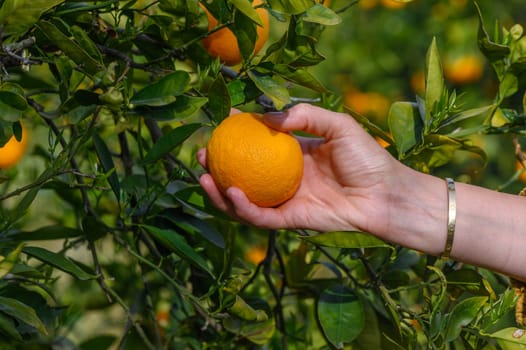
x=108 y=242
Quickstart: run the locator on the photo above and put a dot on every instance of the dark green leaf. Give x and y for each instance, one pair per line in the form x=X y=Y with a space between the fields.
x=219 y=100
x=46 y=233
x=12 y=98
x=58 y=261
x=183 y=107
x=70 y=48
x=22 y=312
x=245 y=31
x=7 y=326
x=162 y=91
x=346 y=239
x=242 y=91
x=177 y=244
x=341 y=315
x=106 y=161
x=101 y=342
x=197 y=226
x=196 y=198
x=169 y=141
x=18 y=16
x=86 y=43
x=462 y=314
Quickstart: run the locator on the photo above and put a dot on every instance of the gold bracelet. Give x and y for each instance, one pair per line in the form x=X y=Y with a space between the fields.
x=451 y=216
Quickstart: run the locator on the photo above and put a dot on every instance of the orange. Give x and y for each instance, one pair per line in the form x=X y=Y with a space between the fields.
x=13 y=150
x=223 y=43
x=464 y=69
x=371 y=104
x=393 y=4
x=256 y=254
x=519 y=166
x=264 y=163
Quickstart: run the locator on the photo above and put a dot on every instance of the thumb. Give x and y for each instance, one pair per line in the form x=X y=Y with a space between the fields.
x=313 y=120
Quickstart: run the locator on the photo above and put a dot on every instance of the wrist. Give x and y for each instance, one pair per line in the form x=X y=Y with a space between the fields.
x=417 y=212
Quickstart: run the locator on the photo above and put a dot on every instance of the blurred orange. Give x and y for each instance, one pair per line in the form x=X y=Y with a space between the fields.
x=370 y=104
x=418 y=82
x=256 y=254
x=393 y=4
x=464 y=69
x=522 y=176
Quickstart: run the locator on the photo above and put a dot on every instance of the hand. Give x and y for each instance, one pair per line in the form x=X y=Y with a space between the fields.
x=345 y=175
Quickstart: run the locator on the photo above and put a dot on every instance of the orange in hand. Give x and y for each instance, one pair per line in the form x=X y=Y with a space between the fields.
x=13 y=150
x=223 y=43
x=266 y=164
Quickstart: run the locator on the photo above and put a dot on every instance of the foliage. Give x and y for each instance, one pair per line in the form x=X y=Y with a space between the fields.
x=105 y=220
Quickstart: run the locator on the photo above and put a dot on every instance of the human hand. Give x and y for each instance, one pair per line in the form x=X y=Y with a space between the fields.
x=346 y=175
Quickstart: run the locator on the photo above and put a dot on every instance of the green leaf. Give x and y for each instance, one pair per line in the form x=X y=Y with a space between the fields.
x=242 y=91
x=405 y=124
x=347 y=239
x=434 y=81
x=322 y=15
x=219 y=100
x=244 y=311
x=341 y=315
x=194 y=225
x=178 y=244
x=195 y=198
x=70 y=48
x=46 y=233
x=462 y=314
x=18 y=16
x=7 y=326
x=58 y=261
x=101 y=342
x=492 y=50
x=258 y=332
x=299 y=76
x=106 y=161
x=183 y=107
x=12 y=95
x=510 y=338
x=293 y=7
x=86 y=43
x=247 y=9
x=7 y=263
x=169 y=141
x=278 y=93
x=162 y=91
x=22 y=312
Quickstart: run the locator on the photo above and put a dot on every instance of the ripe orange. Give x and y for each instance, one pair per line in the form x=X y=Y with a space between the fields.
x=264 y=163
x=464 y=69
x=223 y=43
x=13 y=150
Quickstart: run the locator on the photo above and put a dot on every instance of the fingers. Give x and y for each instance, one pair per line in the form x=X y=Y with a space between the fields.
x=215 y=195
x=201 y=157
x=313 y=120
x=237 y=205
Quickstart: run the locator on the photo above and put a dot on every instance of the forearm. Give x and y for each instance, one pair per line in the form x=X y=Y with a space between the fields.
x=490 y=226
